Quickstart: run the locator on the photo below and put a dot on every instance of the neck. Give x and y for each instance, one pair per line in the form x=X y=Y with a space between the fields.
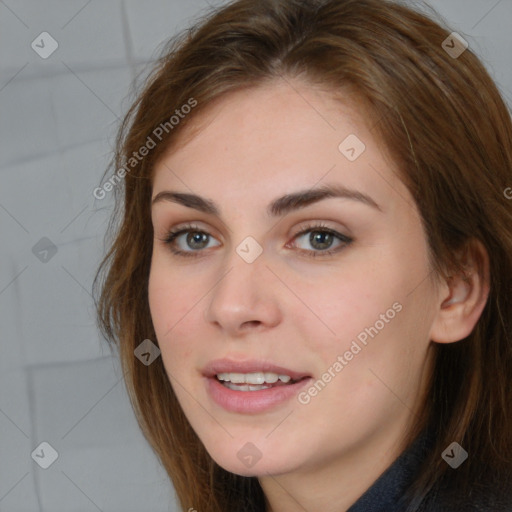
x=338 y=483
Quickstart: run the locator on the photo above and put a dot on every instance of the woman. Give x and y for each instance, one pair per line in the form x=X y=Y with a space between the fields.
x=316 y=234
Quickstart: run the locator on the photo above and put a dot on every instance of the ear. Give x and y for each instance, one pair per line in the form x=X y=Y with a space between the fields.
x=462 y=297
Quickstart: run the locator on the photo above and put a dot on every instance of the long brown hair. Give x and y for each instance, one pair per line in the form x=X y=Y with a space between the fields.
x=448 y=130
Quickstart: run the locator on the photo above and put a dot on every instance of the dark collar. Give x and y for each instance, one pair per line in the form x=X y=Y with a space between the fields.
x=386 y=492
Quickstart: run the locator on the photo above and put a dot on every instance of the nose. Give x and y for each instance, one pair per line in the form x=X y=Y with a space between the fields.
x=244 y=298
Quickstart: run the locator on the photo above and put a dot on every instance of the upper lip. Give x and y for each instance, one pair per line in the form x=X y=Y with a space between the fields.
x=249 y=366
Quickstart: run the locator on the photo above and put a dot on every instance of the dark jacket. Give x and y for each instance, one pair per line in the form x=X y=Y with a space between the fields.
x=387 y=492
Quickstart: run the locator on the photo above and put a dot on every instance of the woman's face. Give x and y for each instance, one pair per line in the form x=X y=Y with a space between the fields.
x=347 y=303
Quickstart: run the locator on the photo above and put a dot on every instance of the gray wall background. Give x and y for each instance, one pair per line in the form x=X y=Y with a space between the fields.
x=58 y=115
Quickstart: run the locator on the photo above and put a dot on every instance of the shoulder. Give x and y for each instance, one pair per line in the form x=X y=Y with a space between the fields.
x=495 y=497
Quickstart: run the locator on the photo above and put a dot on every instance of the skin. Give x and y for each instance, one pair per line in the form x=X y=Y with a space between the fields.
x=297 y=311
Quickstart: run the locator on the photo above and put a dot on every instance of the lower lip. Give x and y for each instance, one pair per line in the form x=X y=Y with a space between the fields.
x=252 y=401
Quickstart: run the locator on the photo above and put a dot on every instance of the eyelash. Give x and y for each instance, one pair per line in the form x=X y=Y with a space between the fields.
x=321 y=228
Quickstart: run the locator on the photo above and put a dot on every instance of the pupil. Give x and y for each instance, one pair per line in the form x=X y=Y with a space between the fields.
x=196 y=237
x=319 y=237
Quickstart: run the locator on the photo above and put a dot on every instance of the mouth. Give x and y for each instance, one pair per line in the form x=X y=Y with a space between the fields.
x=255 y=381
x=251 y=386
x=258 y=372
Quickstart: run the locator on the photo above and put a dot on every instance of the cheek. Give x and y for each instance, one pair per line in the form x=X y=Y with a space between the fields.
x=337 y=306
x=366 y=310
x=174 y=311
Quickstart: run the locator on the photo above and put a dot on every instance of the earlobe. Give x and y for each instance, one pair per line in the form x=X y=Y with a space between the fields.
x=463 y=299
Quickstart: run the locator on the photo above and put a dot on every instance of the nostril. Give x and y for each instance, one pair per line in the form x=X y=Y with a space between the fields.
x=252 y=323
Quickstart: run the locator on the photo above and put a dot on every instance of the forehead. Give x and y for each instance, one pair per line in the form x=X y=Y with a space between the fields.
x=262 y=141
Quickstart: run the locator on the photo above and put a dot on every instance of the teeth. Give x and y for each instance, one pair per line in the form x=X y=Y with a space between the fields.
x=244 y=387
x=272 y=377
x=253 y=378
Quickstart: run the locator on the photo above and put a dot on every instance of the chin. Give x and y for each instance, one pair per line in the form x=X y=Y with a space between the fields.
x=249 y=462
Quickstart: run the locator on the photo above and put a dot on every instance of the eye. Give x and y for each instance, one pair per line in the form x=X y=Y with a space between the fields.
x=195 y=239
x=321 y=238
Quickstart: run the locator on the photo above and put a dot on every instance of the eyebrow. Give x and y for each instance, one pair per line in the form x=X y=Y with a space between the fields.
x=278 y=207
